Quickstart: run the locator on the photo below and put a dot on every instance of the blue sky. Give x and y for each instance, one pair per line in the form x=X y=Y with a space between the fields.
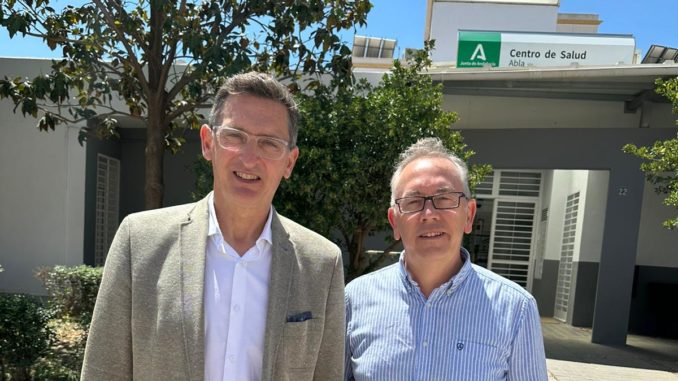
x=649 y=21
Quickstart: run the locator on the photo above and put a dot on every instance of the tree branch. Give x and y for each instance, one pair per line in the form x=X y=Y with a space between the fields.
x=172 y=50
x=121 y=38
x=59 y=115
x=34 y=13
x=373 y=265
x=186 y=107
x=238 y=16
x=112 y=111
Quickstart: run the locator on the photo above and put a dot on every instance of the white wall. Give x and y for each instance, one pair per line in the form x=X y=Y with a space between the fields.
x=450 y=16
x=554 y=226
x=578 y=23
x=563 y=184
x=592 y=188
x=657 y=246
x=545 y=113
x=42 y=193
x=576 y=28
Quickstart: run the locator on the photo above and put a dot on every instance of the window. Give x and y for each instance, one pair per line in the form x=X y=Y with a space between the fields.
x=107 y=205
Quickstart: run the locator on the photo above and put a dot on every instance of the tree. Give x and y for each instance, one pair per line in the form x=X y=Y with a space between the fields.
x=661 y=159
x=125 y=58
x=350 y=139
x=24 y=334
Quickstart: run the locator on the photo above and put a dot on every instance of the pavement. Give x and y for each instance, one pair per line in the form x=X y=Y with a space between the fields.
x=571 y=356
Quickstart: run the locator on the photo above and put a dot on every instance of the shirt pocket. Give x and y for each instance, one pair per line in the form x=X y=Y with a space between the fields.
x=301 y=343
x=474 y=360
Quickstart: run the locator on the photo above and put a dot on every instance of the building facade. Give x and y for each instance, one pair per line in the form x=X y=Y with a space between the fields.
x=565 y=213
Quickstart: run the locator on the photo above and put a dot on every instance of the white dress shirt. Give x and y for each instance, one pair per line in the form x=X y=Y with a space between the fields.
x=236 y=298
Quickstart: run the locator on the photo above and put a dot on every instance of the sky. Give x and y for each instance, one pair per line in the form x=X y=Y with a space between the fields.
x=649 y=21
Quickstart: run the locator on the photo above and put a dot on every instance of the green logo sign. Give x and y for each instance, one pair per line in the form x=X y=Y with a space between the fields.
x=477 y=49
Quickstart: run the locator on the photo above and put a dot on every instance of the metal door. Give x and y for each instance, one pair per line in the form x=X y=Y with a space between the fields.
x=513 y=227
x=566 y=255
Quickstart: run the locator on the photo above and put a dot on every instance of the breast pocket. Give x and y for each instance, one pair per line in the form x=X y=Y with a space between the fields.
x=478 y=361
x=302 y=343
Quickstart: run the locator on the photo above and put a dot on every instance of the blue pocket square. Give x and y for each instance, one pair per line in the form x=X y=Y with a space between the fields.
x=298 y=318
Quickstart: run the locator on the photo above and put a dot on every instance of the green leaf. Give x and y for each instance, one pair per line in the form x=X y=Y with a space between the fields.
x=118 y=63
x=660 y=161
x=351 y=135
x=47 y=122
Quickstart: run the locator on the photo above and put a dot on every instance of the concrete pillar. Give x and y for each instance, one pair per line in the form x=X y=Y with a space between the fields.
x=618 y=257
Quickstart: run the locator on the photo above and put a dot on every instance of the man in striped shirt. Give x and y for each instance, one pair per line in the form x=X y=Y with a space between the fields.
x=434 y=315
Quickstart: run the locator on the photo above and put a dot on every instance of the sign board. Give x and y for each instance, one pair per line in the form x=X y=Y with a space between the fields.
x=515 y=49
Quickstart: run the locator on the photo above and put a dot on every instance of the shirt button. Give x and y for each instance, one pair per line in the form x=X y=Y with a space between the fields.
x=231 y=358
x=449 y=292
x=428 y=305
x=236 y=308
x=425 y=343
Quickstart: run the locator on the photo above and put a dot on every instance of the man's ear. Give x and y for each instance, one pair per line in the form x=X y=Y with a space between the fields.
x=206 y=142
x=470 y=215
x=394 y=224
x=291 y=160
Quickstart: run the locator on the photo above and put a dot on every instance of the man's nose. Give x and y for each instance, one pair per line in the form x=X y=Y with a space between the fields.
x=249 y=151
x=429 y=212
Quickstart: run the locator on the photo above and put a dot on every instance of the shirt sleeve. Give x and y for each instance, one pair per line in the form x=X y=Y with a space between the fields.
x=528 y=360
x=108 y=353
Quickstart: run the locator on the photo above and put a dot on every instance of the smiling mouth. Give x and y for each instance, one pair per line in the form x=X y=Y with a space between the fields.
x=431 y=235
x=246 y=176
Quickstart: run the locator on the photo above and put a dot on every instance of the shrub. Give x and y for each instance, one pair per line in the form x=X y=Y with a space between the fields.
x=72 y=290
x=48 y=369
x=24 y=334
x=64 y=359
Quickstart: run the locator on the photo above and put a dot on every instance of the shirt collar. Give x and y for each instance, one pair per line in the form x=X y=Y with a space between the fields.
x=213 y=225
x=448 y=287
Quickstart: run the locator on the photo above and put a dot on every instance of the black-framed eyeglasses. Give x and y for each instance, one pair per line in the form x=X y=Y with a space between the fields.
x=268 y=147
x=446 y=200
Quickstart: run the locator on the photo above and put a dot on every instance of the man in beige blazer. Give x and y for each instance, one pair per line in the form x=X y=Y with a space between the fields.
x=150 y=316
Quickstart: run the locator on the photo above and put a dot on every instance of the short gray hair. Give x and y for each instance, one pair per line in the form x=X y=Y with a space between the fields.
x=260 y=85
x=428 y=148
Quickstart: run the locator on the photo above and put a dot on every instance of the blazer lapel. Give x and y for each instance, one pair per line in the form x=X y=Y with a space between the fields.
x=282 y=261
x=193 y=240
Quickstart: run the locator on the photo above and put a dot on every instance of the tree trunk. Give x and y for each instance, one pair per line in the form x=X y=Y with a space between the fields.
x=154 y=156
x=355 y=253
x=373 y=266
x=21 y=373
x=157 y=125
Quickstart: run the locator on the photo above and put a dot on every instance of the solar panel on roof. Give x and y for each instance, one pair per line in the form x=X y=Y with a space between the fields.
x=660 y=54
x=373 y=47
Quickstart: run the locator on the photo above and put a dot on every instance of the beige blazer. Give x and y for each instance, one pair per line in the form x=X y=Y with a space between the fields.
x=148 y=322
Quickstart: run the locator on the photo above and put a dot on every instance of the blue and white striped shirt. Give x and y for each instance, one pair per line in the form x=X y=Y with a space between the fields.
x=476 y=326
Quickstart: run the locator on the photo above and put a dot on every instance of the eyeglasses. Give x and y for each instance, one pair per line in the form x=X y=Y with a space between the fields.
x=413 y=204
x=234 y=140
